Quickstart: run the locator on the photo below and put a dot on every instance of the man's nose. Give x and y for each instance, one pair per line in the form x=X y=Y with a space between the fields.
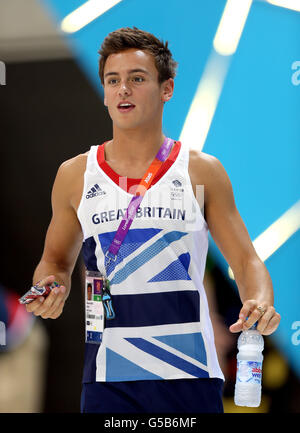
x=124 y=88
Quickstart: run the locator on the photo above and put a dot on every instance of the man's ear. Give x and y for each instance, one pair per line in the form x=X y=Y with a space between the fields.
x=105 y=103
x=167 y=89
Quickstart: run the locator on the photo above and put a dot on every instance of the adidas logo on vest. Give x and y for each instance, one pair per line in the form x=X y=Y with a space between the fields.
x=94 y=191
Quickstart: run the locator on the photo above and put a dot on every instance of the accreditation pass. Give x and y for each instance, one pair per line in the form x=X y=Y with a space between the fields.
x=94 y=313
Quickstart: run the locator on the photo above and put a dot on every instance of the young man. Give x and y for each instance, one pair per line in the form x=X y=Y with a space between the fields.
x=157 y=353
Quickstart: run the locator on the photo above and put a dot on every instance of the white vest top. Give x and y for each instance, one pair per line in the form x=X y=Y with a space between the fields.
x=162 y=329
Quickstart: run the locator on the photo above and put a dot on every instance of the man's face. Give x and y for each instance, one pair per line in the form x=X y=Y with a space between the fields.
x=89 y=292
x=131 y=78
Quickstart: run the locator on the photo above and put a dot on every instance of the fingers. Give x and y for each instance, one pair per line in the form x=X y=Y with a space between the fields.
x=33 y=306
x=46 y=281
x=237 y=326
x=266 y=317
x=267 y=325
x=245 y=312
x=52 y=306
x=253 y=313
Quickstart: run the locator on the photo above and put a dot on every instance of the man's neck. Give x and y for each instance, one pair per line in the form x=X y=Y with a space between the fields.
x=134 y=147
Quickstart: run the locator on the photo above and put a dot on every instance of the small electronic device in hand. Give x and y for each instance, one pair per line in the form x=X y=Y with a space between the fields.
x=35 y=292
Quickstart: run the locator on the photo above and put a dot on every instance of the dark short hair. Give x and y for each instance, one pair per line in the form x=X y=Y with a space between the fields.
x=126 y=38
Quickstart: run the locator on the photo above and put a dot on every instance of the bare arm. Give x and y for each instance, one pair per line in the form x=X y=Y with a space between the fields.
x=62 y=245
x=230 y=234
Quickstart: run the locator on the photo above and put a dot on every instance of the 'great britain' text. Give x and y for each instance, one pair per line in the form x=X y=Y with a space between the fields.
x=146 y=212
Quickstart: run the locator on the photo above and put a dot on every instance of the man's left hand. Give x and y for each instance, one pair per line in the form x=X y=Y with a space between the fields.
x=265 y=315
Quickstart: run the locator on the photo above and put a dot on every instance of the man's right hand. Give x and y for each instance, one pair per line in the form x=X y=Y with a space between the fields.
x=52 y=306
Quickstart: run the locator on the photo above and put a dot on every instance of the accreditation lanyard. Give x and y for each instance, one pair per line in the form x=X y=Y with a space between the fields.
x=144 y=185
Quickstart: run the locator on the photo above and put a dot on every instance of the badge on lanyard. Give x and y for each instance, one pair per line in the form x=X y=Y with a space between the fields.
x=98 y=306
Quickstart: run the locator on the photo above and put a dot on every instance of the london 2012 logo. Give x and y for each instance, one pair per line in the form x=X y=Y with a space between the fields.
x=177 y=190
x=177 y=183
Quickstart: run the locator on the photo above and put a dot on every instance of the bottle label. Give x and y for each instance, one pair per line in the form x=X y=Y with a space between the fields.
x=249 y=371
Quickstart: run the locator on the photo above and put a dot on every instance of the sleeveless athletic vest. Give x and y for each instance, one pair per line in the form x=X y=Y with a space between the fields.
x=162 y=329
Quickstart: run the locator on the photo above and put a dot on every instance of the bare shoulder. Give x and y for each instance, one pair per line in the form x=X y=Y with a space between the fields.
x=197 y=156
x=75 y=161
x=68 y=185
x=207 y=170
x=72 y=165
x=203 y=165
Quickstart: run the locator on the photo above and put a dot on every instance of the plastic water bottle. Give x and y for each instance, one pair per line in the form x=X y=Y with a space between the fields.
x=249 y=368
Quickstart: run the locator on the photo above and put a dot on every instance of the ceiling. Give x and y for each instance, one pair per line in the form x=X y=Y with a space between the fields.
x=28 y=33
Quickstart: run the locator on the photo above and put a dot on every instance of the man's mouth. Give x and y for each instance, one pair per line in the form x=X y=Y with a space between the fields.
x=125 y=107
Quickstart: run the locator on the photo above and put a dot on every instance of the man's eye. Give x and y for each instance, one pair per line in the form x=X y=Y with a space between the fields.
x=112 y=81
x=138 y=79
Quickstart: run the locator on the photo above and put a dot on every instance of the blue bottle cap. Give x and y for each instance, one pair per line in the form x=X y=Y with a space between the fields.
x=254 y=326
